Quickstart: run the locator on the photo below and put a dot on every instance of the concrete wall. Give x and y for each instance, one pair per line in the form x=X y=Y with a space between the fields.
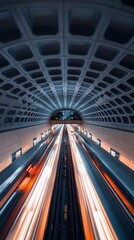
x=21 y=138
x=121 y=141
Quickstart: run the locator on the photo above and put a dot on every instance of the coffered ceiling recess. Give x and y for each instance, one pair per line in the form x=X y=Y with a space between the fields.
x=75 y=54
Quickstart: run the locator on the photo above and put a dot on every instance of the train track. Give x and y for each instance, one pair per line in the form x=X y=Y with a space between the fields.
x=64 y=218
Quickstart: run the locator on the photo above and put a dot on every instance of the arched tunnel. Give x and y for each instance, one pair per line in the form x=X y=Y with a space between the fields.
x=67 y=119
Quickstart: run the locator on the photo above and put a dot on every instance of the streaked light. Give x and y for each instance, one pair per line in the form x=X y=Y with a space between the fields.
x=7 y=203
x=29 y=169
x=27 y=222
x=9 y=180
x=89 y=200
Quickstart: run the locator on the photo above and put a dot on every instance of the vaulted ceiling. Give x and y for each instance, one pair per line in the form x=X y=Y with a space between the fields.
x=67 y=54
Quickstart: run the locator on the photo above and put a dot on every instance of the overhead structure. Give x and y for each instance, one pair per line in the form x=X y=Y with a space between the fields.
x=75 y=55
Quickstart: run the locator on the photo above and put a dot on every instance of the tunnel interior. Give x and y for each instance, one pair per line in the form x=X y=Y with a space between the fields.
x=67 y=56
x=66 y=119
x=63 y=56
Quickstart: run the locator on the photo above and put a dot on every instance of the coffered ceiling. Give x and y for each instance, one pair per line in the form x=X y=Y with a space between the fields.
x=67 y=55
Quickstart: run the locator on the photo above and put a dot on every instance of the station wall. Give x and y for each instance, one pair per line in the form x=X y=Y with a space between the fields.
x=121 y=141
x=20 y=138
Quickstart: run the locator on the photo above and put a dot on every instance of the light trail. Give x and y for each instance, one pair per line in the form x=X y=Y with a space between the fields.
x=126 y=204
x=7 y=203
x=27 y=224
x=9 y=180
x=14 y=175
x=93 y=212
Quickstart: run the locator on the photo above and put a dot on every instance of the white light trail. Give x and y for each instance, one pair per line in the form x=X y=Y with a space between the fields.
x=9 y=180
x=28 y=219
x=7 y=203
x=91 y=207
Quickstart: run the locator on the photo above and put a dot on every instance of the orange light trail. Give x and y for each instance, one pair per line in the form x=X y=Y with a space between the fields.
x=116 y=189
x=95 y=220
x=27 y=222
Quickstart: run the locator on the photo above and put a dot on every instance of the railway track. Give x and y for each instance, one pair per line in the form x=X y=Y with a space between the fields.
x=64 y=218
